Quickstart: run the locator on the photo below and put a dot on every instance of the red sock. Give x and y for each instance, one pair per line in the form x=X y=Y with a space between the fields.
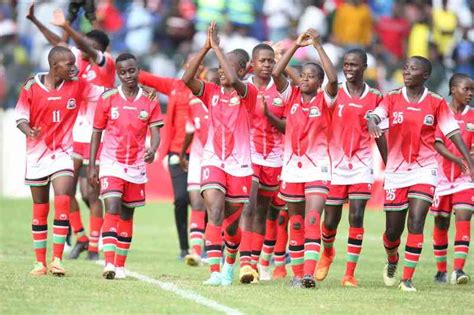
x=257 y=243
x=354 y=247
x=124 y=240
x=328 y=236
x=232 y=243
x=245 y=248
x=296 y=247
x=269 y=242
x=39 y=229
x=213 y=237
x=412 y=255
x=312 y=241
x=77 y=227
x=61 y=224
x=391 y=248
x=282 y=238
x=440 y=248
x=461 y=243
x=197 y=231
x=95 y=224
x=109 y=237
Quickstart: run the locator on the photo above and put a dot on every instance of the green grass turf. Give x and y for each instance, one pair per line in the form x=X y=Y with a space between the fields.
x=154 y=253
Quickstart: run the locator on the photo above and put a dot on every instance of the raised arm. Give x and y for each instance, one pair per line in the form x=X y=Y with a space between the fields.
x=329 y=69
x=60 y=20
x=50 y=36
x=281 y=82
x=229 y=72
x=189 y=75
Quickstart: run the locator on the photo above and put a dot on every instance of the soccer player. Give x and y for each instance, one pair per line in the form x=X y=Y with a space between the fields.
x=266 y=144
x=352 y=170
x=226 y=170
x=96 y=66
x=196 y=137
x=455 y=190
x=411 y=173
x=125 y=113
x=46 y=111
x=306 y=173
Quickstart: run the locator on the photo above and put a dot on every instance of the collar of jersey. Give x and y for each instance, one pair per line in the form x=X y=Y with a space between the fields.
x=366 y=90
x=139 y=94
x=404 y=93
x=38 y=80
x=269 y=85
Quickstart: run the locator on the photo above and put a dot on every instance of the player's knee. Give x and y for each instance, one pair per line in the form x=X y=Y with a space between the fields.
x=442 y=223
x=416 y=226
x=215 y=216
x=393 y=233
x=356 y=218
x=330 y=223
x=127 y=213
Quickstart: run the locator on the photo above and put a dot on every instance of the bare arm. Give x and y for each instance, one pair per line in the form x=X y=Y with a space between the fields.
x=60 y=21
x=183 y=159
x=50 y=36
x=461 y=146
x=441 y=148
x=381 y=142
x=92 y=173
x=293 y=74
x=24 y=127
x=154 y=143
x=189 y=75
x=278 y=123
x=329 y=69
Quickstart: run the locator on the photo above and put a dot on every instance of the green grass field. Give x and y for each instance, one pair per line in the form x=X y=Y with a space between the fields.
x=153 y=254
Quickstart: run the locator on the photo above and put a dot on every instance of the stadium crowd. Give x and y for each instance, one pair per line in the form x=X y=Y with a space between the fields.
x=162 y=32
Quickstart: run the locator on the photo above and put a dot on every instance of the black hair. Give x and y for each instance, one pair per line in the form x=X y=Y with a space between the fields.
x=456 y=78
x=125 y=56
x=243 y=57
x=424 y=62
x=100 y=37
x=359 y=52
x=319 y=69
x=260 y=47
x=55 y=52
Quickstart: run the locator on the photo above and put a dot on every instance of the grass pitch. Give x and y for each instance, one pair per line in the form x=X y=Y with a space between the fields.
x=153 y=254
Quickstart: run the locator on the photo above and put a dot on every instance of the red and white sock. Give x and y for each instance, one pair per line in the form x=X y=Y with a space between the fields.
x=440 y=248
x=39 y=229
x=257 y=244
x=109 y=237
x=77 y=227
x=296 y=247
x=354 y=247
x=61 y=224
x=196 y=236
x=124 y=240
x=282 y=239
x=95 y=224
x=269 y=242
x=213 y=237
x=461 y=243
x=312 y=241
x=412 y=255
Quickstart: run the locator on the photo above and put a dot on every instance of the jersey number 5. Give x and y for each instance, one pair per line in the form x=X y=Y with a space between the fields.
x=56 y=116
x=397 y=118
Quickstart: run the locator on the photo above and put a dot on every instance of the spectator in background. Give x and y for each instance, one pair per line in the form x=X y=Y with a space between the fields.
x=392 y=32
x=418 y=40
x=241 y=12
x=139 y=36
x=381 y=8
x=352 y=25
x=109 y=17
x=444 y=25
x=280 y=16
x=438 y=70
x=314 y=16
x=209 y=11
x=463 y=54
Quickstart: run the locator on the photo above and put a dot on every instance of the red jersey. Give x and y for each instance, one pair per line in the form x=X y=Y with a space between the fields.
x=266 y=142
x=177 y=112
x=126 y=123
x=306 y=154
x=451 y=179
x=198 y=124
x=228 y=142
x=351 y=145
x=411 y=156
x=54 y=111
x=101 y=73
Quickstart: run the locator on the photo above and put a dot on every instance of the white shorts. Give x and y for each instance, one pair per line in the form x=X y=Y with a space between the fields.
x=40 y=173
x=194 y=170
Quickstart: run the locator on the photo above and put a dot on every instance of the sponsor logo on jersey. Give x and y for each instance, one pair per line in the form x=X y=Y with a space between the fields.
x=415 y=109
x=234 y=101
x=71 y=103
x=277 y=101
x=470 y=127
x=429 y=120
x=355 y=105
x=314 y=112
x=143 y=115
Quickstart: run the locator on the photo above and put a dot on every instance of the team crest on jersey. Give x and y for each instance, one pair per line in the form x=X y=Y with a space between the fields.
x=470 y=127
x=143 y=115
x=429 y=120
x=314 y=112
x=71 y=103
x=293 y=108
x=277 y=102
x=234 y=101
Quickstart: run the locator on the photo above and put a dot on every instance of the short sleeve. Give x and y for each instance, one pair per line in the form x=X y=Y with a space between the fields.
x=287 y=93
x=439 y=135
x=23 y=106
x=447 y=124
x=250 y=98
x=91 y=92
x=161 y=84
x=190 y=128
x=330 y=100
x=101 y=113
x=381 y=111
x=156 y=118
x=209 y=90
x=384 y=124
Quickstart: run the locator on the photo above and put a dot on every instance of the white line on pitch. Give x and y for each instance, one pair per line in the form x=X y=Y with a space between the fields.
x=183 y=293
